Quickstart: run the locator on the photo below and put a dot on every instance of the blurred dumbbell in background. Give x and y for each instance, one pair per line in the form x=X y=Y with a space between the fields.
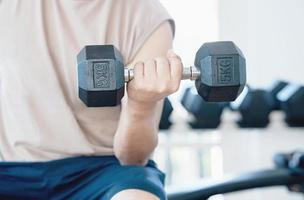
x=205 y=115
x=256 y=105
x=274 y=89
x=253 y=105
x=291 y=100
x=165 y=121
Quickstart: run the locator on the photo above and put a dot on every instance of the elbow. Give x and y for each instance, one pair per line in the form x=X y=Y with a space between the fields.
x=134 y=155
x=136 y=160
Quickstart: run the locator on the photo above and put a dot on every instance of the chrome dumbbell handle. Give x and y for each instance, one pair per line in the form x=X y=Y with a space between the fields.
x=191 y=73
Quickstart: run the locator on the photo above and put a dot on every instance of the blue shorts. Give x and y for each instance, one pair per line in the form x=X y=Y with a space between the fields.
x=94 y=177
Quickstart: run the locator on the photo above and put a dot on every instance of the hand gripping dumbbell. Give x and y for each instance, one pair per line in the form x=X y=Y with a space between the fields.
x=219 y=73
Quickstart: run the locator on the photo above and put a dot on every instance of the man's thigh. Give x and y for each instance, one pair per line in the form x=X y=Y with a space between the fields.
x=81 y=178
x=113 y=182
x=135 y=183
x=134 y=194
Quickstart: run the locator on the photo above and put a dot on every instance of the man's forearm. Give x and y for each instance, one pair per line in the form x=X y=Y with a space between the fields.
x=137 y=133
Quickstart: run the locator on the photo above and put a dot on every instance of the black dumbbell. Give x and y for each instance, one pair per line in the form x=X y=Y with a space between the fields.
x=254 y=106
x=292 y=103
x=291 y=160
x=206 y=115
x=297 y=161
x=185 y=96
x=281 y=160
x=219 y=73
x=274 y=89
x=165 y=122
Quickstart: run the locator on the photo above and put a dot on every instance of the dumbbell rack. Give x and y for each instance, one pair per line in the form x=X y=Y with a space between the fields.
x=255 y=147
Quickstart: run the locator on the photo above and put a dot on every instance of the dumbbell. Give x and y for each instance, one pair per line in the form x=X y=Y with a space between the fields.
x=254 y=106
x=292 y=103
x=219 y=73
x=185 y=96
x=165 y=122
x=290 y=160
x=206 y=115
x=274 y=89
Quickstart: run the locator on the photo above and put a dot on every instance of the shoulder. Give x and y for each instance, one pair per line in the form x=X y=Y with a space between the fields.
x=143 y=9
x=141 y=21
x=136 y=3
x=156 y=45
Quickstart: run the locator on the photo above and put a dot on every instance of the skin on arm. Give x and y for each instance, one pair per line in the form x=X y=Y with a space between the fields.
x=157 y=74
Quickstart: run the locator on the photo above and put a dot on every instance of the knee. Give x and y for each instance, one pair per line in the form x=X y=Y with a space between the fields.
x=135 y=189
x=136 y=183
x=134 y=194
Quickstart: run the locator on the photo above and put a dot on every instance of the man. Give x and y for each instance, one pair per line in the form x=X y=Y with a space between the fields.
x=51 y=145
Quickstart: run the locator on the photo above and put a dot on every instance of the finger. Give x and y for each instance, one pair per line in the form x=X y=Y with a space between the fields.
x=163 y=68
x=139 y=71
x=150 y=69
x=172 y=54
x=176 y=68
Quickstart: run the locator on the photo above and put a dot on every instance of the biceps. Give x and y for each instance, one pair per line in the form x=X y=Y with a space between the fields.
x=157 y=44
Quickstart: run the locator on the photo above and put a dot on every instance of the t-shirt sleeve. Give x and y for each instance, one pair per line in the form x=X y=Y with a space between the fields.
x=146 y=17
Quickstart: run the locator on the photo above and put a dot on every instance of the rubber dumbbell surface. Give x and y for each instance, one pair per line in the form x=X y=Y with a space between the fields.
x=254 y=107
x=100 y=72
x=165 y=122
x=292 y=103
x=274 y=89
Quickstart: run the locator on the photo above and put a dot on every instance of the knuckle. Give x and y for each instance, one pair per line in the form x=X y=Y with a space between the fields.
x=176 y=62
x=150 y=62
x=162 y=61
x=177 y=70
x=178 y=57
x=138 y=67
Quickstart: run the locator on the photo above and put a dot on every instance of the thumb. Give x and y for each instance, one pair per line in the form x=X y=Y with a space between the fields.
x=171 y=54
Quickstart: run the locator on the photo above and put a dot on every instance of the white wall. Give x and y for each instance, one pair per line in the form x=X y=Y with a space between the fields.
x=271 y=34
x=196 y=23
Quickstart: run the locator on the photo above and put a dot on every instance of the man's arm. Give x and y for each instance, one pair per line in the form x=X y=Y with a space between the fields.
x=156 y=75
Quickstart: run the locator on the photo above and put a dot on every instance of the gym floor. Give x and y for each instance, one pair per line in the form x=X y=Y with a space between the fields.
x=188 y=156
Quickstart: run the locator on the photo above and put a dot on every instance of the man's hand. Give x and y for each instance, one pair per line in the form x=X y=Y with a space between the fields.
x=155 y=79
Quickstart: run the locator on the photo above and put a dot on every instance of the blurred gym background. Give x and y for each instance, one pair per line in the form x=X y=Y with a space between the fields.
x=270 y=34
